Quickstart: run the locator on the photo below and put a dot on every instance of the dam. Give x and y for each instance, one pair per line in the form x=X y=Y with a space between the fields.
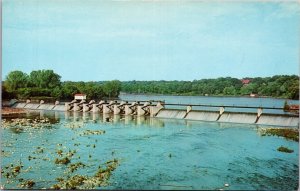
x=160 y=109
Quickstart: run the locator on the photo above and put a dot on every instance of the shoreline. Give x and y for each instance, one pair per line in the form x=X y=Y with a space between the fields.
x=10 y=111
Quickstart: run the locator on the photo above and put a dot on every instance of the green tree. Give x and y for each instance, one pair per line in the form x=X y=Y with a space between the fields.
x=112 y=88
x=16 y=79
x=44 y=79
x=57 y=93
x=229 y=91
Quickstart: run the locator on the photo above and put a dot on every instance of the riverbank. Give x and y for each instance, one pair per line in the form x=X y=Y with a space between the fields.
x=9 y=111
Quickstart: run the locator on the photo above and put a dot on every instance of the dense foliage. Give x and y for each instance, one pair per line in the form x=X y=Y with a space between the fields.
x=284 y=86
x=46 y=83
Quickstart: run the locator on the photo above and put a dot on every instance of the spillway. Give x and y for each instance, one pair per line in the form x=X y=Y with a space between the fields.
x=59 y=108
x=202 y=115
x=19 y=105
x=267 y=119
x=238 y=117
x=37 y=106
x=46 y=106
x=31 y=106
x=171 y=113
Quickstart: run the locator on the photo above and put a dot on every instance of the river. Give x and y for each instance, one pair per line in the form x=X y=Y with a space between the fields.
x=152 y=153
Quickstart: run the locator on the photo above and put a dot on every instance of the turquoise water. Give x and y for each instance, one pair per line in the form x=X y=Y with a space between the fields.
x=155 y=153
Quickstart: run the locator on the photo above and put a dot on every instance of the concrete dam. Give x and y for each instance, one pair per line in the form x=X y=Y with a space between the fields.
x=158 y=109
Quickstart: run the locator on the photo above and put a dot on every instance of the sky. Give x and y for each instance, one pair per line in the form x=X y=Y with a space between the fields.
x=94 y=40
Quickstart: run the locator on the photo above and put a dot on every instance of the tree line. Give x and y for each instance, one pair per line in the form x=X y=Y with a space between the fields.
x=280 y=86
x=46 y=83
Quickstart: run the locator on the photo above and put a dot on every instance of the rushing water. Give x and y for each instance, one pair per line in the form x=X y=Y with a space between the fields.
x=154 y=153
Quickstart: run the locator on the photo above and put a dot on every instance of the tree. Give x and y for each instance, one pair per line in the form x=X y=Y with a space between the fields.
x=44 y=79
x=229 y=91
x=112 y=88
x=57 y=93
x=16 y=79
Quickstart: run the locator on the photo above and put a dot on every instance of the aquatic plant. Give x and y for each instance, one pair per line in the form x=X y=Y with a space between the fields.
x=100 y=178
x=39 y=150
x=291 y=134
x=59 y=152
x=27 y=184
x=75 y=166
x=91 y=132
x=74 y=125
x=64 y=160
x=19 y=124
x=285 y=149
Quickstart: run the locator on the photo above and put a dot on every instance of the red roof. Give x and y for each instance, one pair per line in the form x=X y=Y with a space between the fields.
x=79 y=94
x=245 y=81
x=294 y=107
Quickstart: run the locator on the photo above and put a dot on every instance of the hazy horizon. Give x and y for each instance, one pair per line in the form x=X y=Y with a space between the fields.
x=151 y=40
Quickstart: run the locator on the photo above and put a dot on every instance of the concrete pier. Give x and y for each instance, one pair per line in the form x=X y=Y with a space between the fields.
x=155 y=109
x=144 y=109
x=131 y=109
x=120 y=109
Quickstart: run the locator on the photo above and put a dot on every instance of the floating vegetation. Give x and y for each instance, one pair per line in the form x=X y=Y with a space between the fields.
x=5 y=154
x=59 y=152
x=27 y=184
x=64 y=160
x=17 y=125
x=17 y=130
x=285 y=149
x=100 y=178
x=74 y=125
x=11 y=171
x=39 y=150
x=91 y=132
x=291 y=134
x=75 y=166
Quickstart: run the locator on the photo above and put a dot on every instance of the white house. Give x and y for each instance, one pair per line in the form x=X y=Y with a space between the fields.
x=80 y=96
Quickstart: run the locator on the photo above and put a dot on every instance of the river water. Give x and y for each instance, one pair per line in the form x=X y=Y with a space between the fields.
x=153 y=153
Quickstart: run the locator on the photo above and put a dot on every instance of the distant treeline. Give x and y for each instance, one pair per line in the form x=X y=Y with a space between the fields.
x=281 y=86
x=46 y=83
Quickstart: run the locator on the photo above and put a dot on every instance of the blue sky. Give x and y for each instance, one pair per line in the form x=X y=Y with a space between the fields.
x=92 y=40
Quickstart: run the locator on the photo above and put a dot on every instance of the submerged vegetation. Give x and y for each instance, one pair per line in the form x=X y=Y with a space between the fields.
x=291 y=134
x=91 y=132
x=100 y=178
x=285 y=149
x=19 y=124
